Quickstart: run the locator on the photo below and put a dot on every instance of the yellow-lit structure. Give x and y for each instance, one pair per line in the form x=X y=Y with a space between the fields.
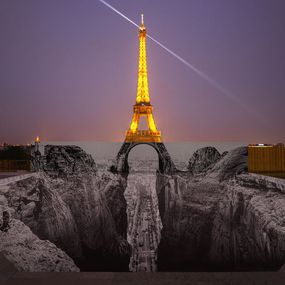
x=37 y=142
x=267 y=159
x=142 y=108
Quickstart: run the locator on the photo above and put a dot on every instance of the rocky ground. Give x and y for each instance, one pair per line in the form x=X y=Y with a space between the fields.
x=71 y=205
x=215 y=216
x=26 y=252
x=218 y=217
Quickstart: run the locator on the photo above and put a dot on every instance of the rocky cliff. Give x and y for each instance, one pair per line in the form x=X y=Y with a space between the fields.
x=219 y=217
x=202 y=159
x=73 y=206
x=26 y=252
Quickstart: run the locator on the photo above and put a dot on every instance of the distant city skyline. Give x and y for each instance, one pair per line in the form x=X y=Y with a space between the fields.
x=69 y=69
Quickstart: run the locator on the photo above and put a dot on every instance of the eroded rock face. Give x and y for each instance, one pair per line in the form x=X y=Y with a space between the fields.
x=67 y=160
x=222 y=219
x=231 y=164
x=81 y=211
x=202 y=159
x=37 y=202
x=249 y=227
x=26 y=252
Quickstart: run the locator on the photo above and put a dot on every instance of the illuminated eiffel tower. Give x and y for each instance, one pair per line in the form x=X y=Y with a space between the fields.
x=143 y=108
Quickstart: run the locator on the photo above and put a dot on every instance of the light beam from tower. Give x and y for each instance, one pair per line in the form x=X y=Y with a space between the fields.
x=203 y=75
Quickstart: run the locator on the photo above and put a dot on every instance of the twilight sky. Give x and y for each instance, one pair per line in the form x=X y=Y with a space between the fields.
x=68 y=69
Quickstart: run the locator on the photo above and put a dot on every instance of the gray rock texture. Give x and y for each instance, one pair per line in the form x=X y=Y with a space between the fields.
x=81 y=211
x=64 y=161
x=222 y=218
x=26 y=252
x=202 y=159
x=230 y=164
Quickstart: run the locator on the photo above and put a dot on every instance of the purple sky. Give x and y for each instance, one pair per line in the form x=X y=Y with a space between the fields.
x=68 y=69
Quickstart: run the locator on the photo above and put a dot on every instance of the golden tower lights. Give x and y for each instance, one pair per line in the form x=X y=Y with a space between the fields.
x=142 y=108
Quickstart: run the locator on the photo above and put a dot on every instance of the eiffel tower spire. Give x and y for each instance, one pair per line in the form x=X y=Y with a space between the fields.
x=142 y=106
x=142 y=89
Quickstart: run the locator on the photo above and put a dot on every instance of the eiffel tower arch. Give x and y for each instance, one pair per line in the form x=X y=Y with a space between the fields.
x=143 y=108
x=166 y=165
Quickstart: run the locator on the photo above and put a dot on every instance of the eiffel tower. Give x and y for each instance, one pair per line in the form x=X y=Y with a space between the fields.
x=143 y=108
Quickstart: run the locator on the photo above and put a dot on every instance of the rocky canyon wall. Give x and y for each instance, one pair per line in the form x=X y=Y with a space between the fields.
x=21 y=250
x=217 y=217
x=72 y=205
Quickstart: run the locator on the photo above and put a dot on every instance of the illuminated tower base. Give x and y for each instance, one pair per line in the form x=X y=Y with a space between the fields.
x=136 y=135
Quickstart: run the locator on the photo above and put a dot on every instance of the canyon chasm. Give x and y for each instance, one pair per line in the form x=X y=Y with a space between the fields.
x=215 y=216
